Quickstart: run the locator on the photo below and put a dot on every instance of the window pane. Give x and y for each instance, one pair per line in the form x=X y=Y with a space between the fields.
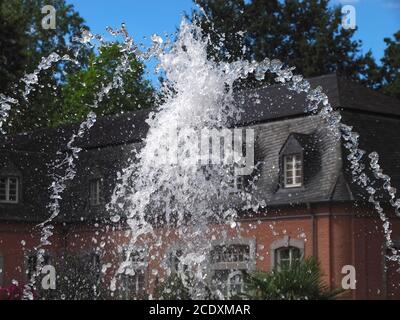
x=284 y=264
x=12 y=189
x=293 y=170
x=2 y=189
x=231 y=253
x=94 y=192
x=235 y=283
x=296 y=254
x=175 y=260
x=13 y=182
x=284 y=254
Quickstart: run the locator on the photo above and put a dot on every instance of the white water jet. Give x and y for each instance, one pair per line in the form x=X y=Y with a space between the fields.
x=185 y=195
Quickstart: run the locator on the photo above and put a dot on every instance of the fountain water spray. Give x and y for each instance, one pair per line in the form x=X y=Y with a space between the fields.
x=189 y=196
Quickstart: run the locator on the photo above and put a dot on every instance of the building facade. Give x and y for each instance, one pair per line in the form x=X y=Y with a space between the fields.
x=313 y=207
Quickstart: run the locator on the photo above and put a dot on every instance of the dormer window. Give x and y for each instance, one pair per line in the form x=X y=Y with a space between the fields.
x=94 y=192
x=293 y=170
x=299 y=160
x=9 y=189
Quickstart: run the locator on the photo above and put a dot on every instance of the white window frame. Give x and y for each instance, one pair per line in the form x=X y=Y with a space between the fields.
x=290 y=259
x=285 y=242
x=7 y=190
x=296 y=182
x=94 y=200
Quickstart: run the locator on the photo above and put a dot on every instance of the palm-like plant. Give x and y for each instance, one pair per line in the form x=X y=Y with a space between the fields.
x=300 y=281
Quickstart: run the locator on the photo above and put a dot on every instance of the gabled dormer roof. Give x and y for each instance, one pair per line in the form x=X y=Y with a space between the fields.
x=297 y=142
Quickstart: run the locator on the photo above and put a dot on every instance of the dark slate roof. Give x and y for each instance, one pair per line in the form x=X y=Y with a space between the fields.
x=276 y=101
x=110 y=130
x=32 y=172
x=319 y=181
x=378 y=133
x=273 y=111
x=95 y=163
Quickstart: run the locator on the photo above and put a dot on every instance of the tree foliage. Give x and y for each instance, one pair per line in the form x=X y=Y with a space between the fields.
x=300 y=281
x=391 y=66
x=305 y=34
x=66 y=91
x=172 y=288
x=82 y=88
x=32 y=43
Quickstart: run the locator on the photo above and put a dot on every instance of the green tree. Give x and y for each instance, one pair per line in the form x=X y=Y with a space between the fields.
x=300 y=281
x=12 y=56
x=305 y=34
x=391 y=66
x=172 y=288
x=81 y=88
x=33 y=43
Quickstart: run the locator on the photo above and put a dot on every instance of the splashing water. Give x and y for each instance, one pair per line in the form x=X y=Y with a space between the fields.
x=168 y=190
x=193 y=199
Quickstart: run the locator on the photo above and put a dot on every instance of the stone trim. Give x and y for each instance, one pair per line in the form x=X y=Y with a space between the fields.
x=285 y=242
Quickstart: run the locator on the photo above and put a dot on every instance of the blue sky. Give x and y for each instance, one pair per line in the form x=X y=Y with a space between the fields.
x=376 y=19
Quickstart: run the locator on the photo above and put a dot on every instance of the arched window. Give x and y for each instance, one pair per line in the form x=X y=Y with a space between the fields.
x=285 y=251
x=285 y=256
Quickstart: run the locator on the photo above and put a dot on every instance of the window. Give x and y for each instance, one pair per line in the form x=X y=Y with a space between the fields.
x=134 y=283
x=228 y=282
x=176 y=263
x=93 y=265
x=1 y=270
x=293 y=170
x=230 y=253
x=235 y=283
x=9 y=189
x=94 y=192
x=229 y=264
x=286 y=256
x=32 y=261
x=238 y=183
x=134 y=280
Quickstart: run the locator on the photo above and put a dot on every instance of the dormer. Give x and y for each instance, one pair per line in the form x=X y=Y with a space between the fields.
x=297 y=157
x=10 y=184
x=95 y=188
